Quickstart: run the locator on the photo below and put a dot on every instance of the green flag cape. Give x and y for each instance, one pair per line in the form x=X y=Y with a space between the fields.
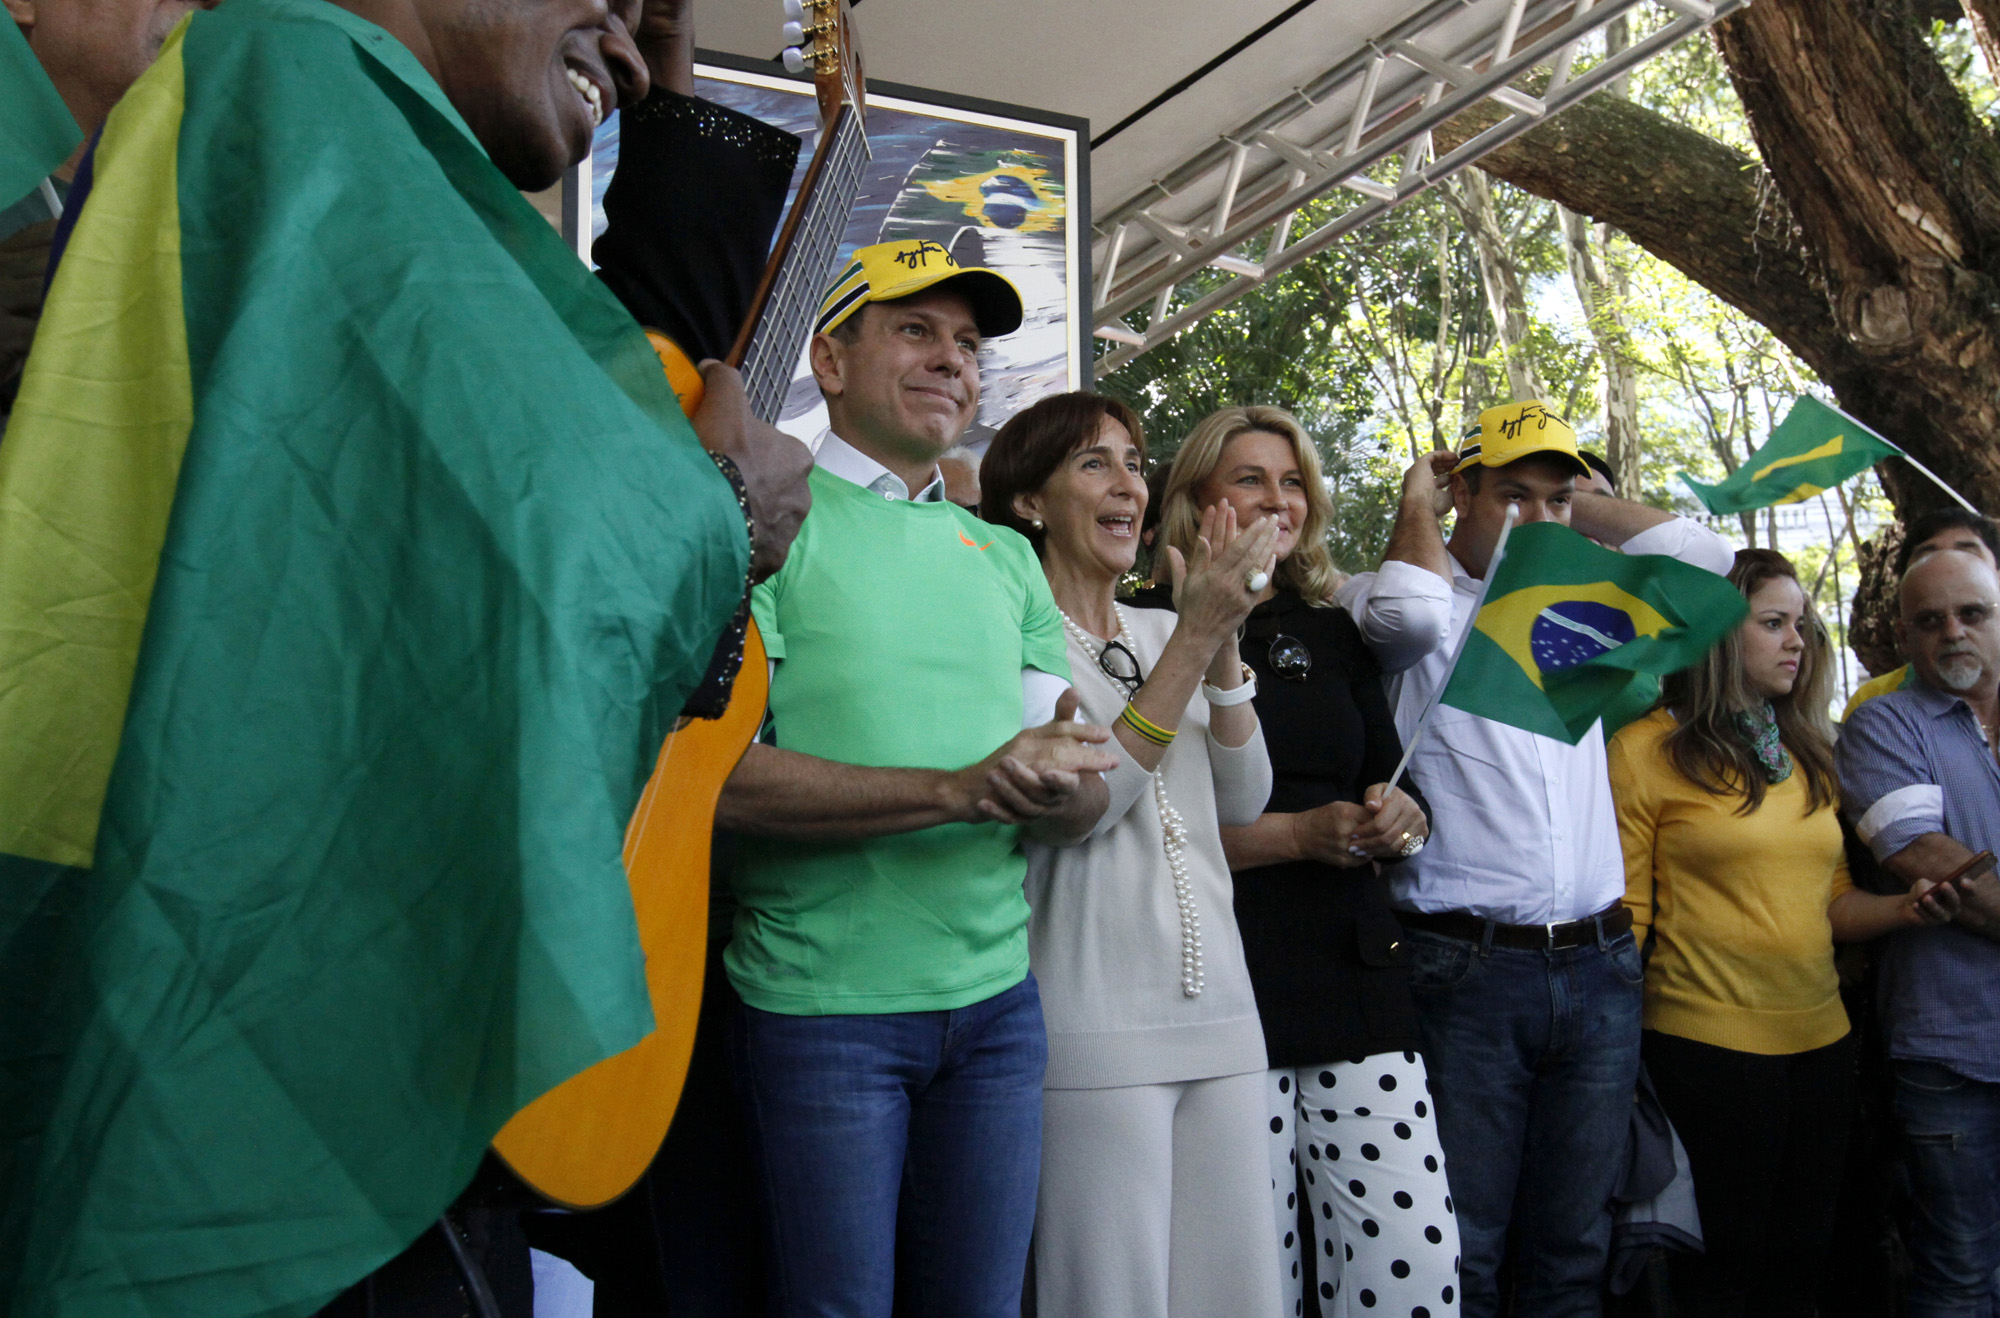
x=1814 y=448
x=36 y=130
x=1570 y=632
x=354 y=558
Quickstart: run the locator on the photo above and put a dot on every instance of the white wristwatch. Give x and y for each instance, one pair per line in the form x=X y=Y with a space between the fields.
x=1216 y=695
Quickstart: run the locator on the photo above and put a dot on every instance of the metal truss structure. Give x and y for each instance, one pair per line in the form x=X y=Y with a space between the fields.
x=1331 y=134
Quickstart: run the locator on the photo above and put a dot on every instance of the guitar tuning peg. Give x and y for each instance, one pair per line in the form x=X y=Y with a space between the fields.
x=795 y=11
x=795 y=60
x=792 y=34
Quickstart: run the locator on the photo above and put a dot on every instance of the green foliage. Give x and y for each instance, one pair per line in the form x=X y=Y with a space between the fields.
x=1384 y=345
x=1276 y=348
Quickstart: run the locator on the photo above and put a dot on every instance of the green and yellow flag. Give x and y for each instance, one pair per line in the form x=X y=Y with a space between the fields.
x=1570 y=632
x=1813 y=449
x=36 y=130
x=354 y=560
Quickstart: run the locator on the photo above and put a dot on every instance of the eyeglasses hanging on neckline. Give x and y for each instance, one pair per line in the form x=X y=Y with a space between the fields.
x=1121 y=666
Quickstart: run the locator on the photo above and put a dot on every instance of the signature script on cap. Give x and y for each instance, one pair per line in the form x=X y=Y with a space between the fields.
x=1534 y=412
x=921 y=254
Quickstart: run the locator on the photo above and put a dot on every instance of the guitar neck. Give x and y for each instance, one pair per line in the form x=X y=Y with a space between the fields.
x=801 y=265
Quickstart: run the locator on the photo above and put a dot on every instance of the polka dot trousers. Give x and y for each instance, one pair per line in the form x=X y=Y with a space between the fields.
x=1360 y=1137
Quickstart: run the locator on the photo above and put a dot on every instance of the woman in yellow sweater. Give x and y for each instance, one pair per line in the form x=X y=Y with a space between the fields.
x=1726 y=802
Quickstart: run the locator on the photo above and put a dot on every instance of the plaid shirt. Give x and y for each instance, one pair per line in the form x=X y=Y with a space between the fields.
x=1913 y=762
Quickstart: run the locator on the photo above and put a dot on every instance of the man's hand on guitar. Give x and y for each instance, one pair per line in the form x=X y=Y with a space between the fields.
x=774 y=465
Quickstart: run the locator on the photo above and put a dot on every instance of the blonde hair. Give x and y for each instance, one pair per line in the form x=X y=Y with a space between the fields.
x=1309 y=570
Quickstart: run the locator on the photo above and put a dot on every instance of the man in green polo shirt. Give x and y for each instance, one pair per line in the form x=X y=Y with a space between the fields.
x=890 y=1050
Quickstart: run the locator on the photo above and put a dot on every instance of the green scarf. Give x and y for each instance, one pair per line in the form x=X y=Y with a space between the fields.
x=1759 y=728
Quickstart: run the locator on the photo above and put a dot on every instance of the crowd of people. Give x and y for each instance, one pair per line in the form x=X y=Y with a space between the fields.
x=1079 y=952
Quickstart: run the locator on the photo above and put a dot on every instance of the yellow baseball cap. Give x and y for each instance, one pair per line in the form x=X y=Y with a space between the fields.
x=1506 y=434
x=887 y=271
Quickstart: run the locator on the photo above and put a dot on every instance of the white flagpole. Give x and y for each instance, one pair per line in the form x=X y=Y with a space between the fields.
x=1963 y=502
x=1423 y=721
x=49 y=196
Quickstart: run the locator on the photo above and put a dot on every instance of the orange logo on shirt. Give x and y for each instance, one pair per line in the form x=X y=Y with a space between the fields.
x=963 y=538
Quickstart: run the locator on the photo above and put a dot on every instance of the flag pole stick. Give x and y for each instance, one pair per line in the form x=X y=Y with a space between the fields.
x=1932 y=476
x=1458 y=650
x=1963 y=502
x=54 y=202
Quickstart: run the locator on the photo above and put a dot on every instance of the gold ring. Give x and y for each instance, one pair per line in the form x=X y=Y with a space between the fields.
x=1257 y=580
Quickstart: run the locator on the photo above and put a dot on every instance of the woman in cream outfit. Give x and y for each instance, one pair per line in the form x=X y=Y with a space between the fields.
x=1154 y=1193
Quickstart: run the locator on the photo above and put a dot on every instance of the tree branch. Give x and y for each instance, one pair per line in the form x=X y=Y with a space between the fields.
x=1702 y=207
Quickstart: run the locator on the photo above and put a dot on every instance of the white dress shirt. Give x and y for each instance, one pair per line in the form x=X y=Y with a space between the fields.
x=839 y=458
x=836 y=457
x=1522 y=828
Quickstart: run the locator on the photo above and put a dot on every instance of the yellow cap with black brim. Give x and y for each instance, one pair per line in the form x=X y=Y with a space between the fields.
x=1517 y=430
x=887 y=271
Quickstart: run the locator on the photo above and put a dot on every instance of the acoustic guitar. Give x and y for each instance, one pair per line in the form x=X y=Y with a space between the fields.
x=588 y=1140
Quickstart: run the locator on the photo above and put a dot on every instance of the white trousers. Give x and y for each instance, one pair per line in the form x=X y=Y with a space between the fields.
x=1153 y=1203
x=1362 y=1136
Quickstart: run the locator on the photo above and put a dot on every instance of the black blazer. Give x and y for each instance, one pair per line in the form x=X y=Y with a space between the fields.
x=1325 y=951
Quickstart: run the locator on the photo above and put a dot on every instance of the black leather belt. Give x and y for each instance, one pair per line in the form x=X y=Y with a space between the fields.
x=1607 y=924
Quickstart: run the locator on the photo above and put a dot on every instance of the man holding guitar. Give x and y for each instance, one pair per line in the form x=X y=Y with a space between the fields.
x=532 y=558
x=890 y=1051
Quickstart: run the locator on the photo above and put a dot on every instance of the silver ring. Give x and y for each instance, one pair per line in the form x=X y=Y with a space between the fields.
x=1257 y=580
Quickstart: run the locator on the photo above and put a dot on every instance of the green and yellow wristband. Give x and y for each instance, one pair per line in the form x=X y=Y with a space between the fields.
x=1145 y=727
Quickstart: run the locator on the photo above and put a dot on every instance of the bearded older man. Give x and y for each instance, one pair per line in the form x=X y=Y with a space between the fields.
x=1920 y=781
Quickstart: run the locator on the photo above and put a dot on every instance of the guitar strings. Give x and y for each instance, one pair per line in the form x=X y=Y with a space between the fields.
x=768 y=372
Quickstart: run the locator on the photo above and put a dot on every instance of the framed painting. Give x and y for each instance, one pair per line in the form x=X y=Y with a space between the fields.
x=996 y=185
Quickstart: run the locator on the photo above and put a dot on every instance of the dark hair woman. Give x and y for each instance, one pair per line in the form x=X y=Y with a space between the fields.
x=1726 y=801
x=1153 y=1183
x=1350 y=1119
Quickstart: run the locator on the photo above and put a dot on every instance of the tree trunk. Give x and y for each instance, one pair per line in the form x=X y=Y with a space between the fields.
x=1599 y=288
x=1894 y=185
x=1441 y=345
x=1983 y=16
x=1868 y=247
x=1505 y=299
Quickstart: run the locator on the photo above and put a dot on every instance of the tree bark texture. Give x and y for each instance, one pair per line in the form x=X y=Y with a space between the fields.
x=1505 y=298
x=1867 y=240
x=1894 y=186
x=1984 y=18
x=1599 y=289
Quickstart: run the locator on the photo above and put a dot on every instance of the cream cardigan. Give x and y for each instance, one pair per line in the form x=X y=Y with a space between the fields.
x=1104 y=936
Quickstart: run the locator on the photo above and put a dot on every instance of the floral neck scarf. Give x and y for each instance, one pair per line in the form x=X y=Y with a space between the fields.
x=1759 y=728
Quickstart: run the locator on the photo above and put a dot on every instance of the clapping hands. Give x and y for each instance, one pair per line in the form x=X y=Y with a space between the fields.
x=1212 y=591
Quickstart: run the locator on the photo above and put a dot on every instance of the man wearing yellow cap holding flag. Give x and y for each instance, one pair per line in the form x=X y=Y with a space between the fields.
x=1522 y=961
x=890 y=1050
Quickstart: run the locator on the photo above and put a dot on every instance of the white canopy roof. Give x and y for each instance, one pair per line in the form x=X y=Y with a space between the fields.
x=1213 y=122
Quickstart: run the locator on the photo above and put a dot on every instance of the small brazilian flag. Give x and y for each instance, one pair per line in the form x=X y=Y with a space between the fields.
x=1569 y=631
x=1813 y=449
x=36 y=131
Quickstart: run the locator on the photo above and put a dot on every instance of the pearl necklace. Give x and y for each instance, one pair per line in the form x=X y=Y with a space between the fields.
x=1173 y=832
x=1092 y=646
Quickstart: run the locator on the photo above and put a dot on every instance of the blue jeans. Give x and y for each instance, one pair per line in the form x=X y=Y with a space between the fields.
x=1951 y=1131
x=897 y=1155
x=1533 y=1057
